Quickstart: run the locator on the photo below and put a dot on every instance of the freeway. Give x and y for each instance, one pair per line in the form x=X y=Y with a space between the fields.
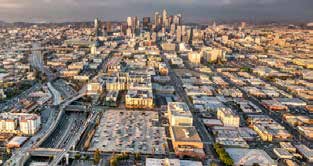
x=66 y=90
x=74 y=139
x=67 y=128
x=76 y=136
x=68 y=140
x=57 y=99
x=36 y=59
x=20 y=156
x=63 y=104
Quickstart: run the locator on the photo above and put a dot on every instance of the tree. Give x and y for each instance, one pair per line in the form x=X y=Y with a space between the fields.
x=77 y=156
x=96 y=157
x=138 y=156
x=214 y=163
x=223 y=155
x=113 y=161
x=124 y=156
x=246 y=69
x=164 y=146
x=228 y=161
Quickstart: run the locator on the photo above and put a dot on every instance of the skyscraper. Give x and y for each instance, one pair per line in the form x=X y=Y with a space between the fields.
x=146 y=22
x=243 y=25
x=173 y=28
x=179 y=34
x=129 y=32
x=177 y=19
x=164 y=17
x=129 y=21
x=96 y=23
x=157 y=18
x=109 y=26
x=96 y=26
x=180 y=19
x=136 y=23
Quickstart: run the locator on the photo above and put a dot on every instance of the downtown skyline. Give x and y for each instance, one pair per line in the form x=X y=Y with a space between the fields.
x=156 y=83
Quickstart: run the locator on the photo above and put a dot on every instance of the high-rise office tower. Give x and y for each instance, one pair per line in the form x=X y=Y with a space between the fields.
x=136 y=26
x=170 y=20
x=96 y=23
x=177 y=19
x=197 y=35
x=180 y=19
x=146 y=22
x=96 y=26
x=164 y=14
x=243 y=25
x=157 y=18
x=136 y=23
x=129 y=32
x=185 y=34
x=173 y=28
x=123 y=28
x=103 y=30
x=189 y=35
x=183 y=30
x=214 y=25
x=129 y=21
x=109 y=26
x=164 y=17
x=179 y=34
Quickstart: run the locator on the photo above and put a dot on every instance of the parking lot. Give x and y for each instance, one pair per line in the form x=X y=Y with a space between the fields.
x=130 y=131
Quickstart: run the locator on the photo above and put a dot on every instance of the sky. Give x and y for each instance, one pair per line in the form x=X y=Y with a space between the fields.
x=192 y=10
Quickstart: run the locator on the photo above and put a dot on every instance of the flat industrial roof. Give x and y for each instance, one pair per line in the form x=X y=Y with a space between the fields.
x=185 y=134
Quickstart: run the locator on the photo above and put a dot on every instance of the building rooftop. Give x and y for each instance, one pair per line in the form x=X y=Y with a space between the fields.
x=139 y=94
x=171 y=162
x=185 y=134
x=242 y=156
x=179 y=109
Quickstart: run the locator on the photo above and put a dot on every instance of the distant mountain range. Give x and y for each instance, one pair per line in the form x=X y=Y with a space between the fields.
x=2 y=22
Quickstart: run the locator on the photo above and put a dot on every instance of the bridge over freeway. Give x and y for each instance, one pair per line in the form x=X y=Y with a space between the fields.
x=63 y=105
x=58 y=155
x=72 y=143
x=76 y=108
x=45 y=152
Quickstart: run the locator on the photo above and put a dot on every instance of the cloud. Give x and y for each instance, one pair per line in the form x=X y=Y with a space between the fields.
x=10 y=5
x=76 y=10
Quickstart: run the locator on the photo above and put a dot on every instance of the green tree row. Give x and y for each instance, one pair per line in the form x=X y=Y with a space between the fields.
x=223 y=155
x=116 y=158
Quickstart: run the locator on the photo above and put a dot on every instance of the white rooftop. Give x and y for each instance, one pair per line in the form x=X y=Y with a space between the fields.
x=248 y=157
x=171 y=162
